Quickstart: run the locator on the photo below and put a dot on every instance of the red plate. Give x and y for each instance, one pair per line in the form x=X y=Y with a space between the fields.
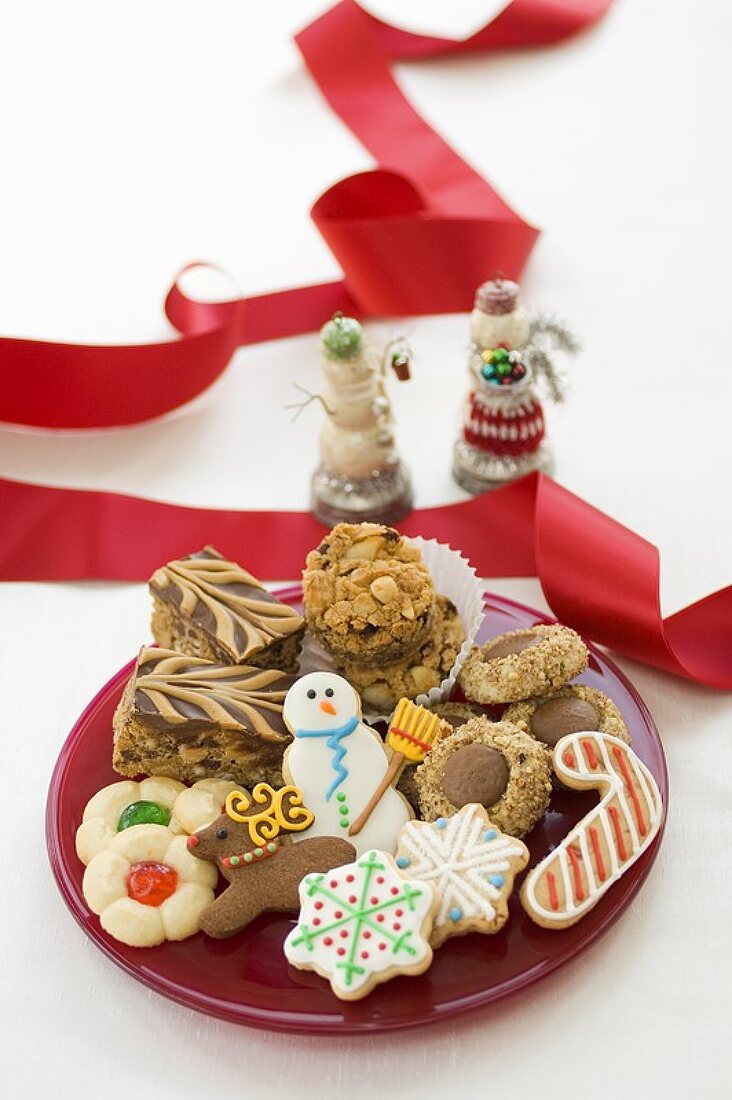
x=247 y=980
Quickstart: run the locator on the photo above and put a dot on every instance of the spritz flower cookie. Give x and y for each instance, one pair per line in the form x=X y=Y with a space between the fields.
x=146 y=887
x=522 y=664
x=197 y=806
x=472 y=865
x=121 y=806
x=494 y=764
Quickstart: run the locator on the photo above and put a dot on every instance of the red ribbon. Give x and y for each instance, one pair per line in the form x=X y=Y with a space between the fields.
x=596 y=574
x=415 y=236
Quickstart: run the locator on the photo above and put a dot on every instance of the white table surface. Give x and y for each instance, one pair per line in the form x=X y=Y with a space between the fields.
x=137 y=137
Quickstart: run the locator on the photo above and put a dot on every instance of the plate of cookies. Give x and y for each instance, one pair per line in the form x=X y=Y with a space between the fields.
x=369 y=801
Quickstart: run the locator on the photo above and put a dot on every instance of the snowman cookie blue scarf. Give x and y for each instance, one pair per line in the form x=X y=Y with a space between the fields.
x=335 y=737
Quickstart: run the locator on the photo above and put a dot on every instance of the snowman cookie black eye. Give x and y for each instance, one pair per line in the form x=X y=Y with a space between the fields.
x=311 y=694
x=329 y=692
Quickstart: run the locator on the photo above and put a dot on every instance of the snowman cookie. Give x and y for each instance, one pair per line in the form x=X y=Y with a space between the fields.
x=337 y=762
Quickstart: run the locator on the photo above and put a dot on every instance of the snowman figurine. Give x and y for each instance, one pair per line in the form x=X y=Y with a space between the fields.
x=361 y=476
x=337 y=762
x=503 y=431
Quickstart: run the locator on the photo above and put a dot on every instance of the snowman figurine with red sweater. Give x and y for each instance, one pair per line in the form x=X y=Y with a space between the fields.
x=503 y=430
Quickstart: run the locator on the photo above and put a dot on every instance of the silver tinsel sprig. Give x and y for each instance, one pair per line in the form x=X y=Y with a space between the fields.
x=548 y=328
x=543 y=366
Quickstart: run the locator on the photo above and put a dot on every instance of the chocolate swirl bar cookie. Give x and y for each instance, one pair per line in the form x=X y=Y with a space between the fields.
x=209 y=607
x=191 y=719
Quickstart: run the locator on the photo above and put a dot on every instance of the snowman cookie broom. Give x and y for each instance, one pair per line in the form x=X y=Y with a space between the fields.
x=412 y=733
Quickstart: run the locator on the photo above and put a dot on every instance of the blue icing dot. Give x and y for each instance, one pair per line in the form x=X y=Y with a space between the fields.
x=496 y=880
x=455 y=914
x=440 y=823
x=402 y=861
x=490 y=834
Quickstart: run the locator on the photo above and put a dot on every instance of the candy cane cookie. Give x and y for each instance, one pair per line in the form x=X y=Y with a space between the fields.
x=570 y=881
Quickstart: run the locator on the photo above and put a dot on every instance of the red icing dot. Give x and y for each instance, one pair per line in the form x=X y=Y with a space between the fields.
x=398 y=912
x=341 y=951
x=396 y=926
x=349 y=878
x=352 y=899
x=364 y=954
x=316 y=921
x=379 y=879
x=374 y=900
x=333 y=882
x=318 y=905
x=379 y=916
x=366 y=934
x=382 y=947
x=151 y=883
x=328 y=941
x=343 y=933
x=338 y=914
x=394 y=890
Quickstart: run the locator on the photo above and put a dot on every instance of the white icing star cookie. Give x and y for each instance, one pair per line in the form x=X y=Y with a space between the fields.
x=362 y=924
x=470 y=862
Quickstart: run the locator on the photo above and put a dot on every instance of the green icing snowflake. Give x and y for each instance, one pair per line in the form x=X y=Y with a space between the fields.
x=360 y=919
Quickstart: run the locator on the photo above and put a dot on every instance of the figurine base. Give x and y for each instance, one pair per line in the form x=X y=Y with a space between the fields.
x=480 y=471
x=383 y=497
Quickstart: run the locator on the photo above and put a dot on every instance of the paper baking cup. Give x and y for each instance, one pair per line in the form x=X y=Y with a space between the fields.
x=453 y=576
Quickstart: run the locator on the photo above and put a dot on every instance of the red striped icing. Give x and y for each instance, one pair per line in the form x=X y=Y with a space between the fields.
x=569 y=759
x=615 y=818
x=638 y=810
x=552 y=886
x=579 y=890
x=590 y=754
x=599 y=864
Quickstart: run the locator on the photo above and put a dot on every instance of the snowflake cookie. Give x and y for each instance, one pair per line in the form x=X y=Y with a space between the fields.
x=362 y=924
x=472 y=865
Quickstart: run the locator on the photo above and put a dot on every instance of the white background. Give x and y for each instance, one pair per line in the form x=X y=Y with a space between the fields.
x=136 y=137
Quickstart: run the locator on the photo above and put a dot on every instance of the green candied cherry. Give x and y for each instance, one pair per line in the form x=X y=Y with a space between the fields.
x=342 y=337
x=143 y=813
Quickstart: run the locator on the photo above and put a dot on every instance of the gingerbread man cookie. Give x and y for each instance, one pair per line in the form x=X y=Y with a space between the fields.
x=471 y=864
x=262 y=869
x=362 y=924
x=570 y=881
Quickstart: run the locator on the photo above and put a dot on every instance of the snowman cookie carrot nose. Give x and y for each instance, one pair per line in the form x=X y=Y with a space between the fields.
x=337 y=761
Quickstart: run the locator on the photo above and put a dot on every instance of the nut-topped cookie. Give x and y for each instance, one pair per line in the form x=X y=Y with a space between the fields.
x=380 y=687
x=367 y=594
x=523 y=663
x=494 y=764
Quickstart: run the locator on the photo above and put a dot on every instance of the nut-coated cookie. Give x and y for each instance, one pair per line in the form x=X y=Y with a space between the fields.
x=495 y=764
x=523 y=663
x=572 y=709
